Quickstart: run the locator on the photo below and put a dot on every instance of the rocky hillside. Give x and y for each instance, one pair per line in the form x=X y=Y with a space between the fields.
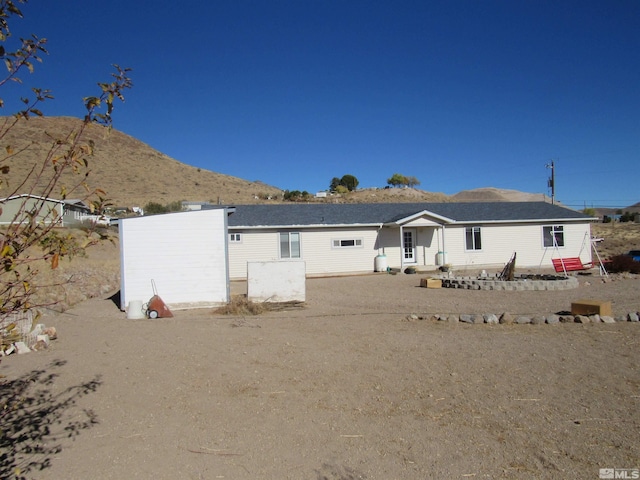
x=130 y=171
x=134 y=174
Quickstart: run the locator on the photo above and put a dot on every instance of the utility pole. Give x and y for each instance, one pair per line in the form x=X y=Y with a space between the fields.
x=551 y=183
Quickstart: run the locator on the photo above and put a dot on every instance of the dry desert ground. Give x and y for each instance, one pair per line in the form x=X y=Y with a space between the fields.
x=348 y=387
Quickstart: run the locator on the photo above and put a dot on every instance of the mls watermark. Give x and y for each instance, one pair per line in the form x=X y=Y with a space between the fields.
x=624 y=473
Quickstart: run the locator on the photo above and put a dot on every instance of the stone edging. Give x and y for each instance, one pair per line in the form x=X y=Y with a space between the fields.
x=507 y=318
x=520 y=284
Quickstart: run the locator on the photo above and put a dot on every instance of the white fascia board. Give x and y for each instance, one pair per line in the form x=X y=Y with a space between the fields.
x=31 y=195
x=534 y=220
x=300 y=227
x=423 y=213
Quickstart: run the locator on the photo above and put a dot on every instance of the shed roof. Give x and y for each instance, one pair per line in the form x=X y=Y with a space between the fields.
x=333 y=214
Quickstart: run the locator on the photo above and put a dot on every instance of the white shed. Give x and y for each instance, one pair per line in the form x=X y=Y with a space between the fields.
x=184 y=254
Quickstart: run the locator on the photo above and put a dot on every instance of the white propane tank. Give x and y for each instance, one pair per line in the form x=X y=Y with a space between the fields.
x=381 y=263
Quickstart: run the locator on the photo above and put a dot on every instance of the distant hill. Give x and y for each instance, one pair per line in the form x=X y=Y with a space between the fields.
x=134 y=174
x=601 y=212
x=490 y=194
x=631 y=208
x=131 y=172
x=388 y=195
x=397 y=195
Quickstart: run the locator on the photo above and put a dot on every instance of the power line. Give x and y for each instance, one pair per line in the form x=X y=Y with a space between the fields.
x=592 y=205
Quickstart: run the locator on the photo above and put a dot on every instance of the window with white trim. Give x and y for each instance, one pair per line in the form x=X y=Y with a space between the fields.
x=235 y=237
x=473 y=238
x=346 y=243
x=553 y=236
x=289 y=245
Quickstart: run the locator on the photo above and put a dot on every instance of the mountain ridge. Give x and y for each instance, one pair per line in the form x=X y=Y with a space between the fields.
x=130 y=171
x=133 y=173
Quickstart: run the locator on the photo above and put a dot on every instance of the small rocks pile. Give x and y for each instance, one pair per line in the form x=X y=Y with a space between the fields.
x=18 y=336
x=507 y=318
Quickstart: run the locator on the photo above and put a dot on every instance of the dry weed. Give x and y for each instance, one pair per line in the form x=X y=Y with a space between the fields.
x=241 y=305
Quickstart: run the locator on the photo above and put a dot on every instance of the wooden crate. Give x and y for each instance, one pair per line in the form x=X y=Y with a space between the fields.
x=431 y=283
x=591 y=307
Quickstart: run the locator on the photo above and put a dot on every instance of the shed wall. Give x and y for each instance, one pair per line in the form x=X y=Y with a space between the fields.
x=185 y=254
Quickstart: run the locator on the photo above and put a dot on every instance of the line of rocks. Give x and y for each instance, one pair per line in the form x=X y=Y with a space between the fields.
x=519 y=284
x=508 y=318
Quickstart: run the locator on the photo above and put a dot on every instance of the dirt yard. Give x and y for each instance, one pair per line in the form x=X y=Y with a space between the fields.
x=346 y=388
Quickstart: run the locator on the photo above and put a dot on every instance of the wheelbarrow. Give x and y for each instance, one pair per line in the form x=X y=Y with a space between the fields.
x=155 y=307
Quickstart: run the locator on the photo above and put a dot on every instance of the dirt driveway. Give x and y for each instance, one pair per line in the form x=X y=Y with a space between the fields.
x=346 y=388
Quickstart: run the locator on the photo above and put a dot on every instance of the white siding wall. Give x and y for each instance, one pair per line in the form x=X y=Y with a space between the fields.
x=184 y=253
x=255 y=246
x=499 y=242
x=323 y=259
x=51 y=211
x=316 y=250
x=428 y=245
x=389 y=244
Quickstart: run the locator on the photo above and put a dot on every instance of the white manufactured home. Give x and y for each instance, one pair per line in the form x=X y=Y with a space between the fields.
x=335 y=239
x=184 y=254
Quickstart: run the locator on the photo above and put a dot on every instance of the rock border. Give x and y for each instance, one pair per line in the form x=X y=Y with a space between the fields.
x=509 y=319
x=521 y=283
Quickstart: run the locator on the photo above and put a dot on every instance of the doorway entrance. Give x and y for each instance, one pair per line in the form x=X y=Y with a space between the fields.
x=409 y=245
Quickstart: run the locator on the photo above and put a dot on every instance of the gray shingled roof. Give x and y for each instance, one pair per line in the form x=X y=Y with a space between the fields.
x=307 y=214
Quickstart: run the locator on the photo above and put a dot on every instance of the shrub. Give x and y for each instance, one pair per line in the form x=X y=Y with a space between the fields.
x=32 y=239
x=348 y=182
x=296 y=195
x=623 y=263
x=155 y=208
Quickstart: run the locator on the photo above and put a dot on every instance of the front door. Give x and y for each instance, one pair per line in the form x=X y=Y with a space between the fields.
x=409 y=246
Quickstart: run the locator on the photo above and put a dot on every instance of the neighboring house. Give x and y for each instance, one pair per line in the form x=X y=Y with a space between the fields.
x=337 y=239
x=195 y=205
x=64 y=213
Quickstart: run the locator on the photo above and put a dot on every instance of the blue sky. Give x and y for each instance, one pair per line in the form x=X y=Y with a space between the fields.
x=460 y=94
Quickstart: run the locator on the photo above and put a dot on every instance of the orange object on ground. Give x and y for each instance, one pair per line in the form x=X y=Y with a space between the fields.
x=156 y=308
